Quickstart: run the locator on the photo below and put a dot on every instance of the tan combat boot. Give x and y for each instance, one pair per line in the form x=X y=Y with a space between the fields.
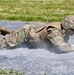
x=2 y=42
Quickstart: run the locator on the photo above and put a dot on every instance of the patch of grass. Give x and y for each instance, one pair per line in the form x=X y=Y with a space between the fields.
x=36 y=10
x=11 y=72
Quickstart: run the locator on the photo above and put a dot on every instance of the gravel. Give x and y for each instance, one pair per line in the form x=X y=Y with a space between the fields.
x=35 y=61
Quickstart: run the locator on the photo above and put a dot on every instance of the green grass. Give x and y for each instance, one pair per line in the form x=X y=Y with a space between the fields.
x=11 y=72
x=36 y=10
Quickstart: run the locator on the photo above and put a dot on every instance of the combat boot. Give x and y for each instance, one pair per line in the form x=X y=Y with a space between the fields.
x=2 y=42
